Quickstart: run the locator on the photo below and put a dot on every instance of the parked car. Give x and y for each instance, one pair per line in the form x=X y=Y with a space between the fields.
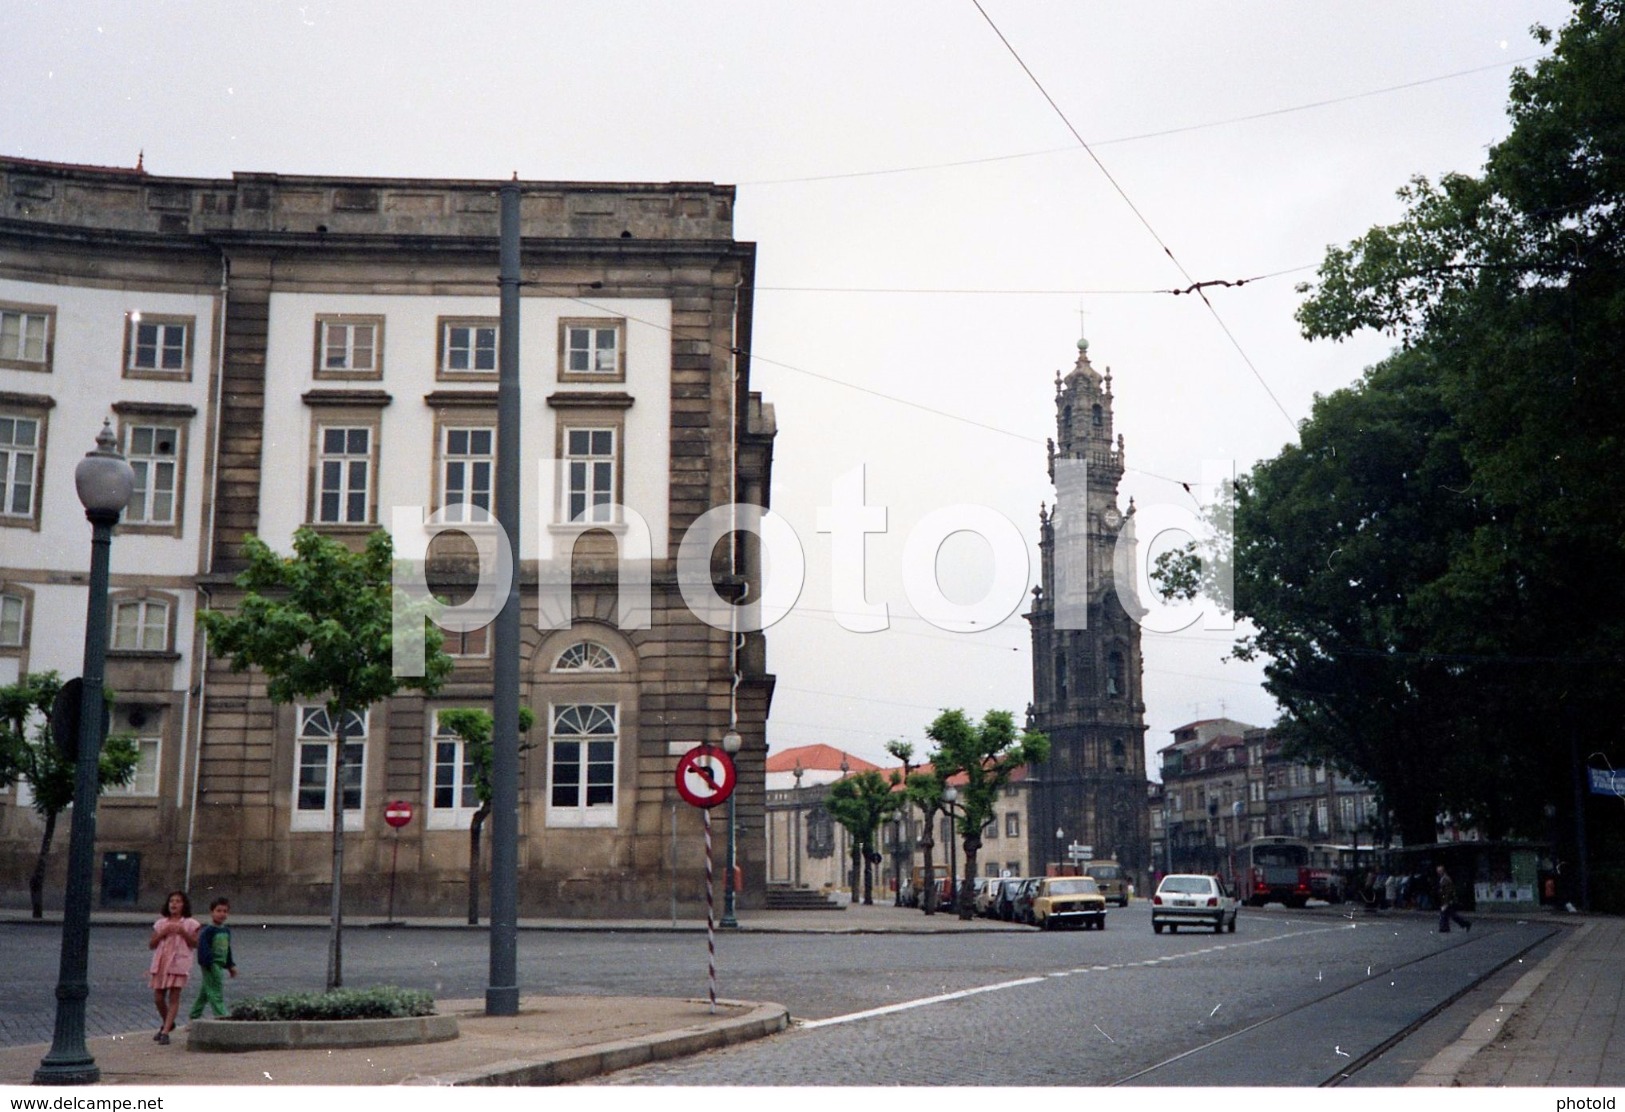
x=1068 y=901
x=1193 y=900
x=1005 y=902
x=1022 y=911
x=1108 y=874
x=987 y=894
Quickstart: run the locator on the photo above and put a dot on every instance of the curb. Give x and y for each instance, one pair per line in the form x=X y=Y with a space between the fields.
x=1443 y=1068
x=575 y=1065
x=230 y=1036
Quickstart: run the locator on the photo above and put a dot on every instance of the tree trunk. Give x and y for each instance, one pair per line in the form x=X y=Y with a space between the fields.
x=928 y=882
x=335 y=942
x=967 y=883
x=868 y=877
x=474 y=863
x=852 y=884
x=36 y=881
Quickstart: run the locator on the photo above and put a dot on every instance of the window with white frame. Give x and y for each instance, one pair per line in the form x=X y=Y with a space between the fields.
x=453 y=798
x=468 y=347
x=582 y=742
x=589 y=462
x=315 y=767
x=344 y=474
x=25 y=337
x=12 y=611
x=140 y=625
x=1012 y=824
x=146 y=726
x=468 y=464
x=159 y=345
x=592 y=349
x=586 y=656
x=154 y=455
x=349 y=347
x=19 y=465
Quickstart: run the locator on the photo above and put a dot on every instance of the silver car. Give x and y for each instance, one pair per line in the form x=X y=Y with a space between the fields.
x=1192 y=900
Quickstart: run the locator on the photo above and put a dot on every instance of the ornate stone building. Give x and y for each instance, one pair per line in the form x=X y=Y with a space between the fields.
x=278 y=351
x=1086 y=644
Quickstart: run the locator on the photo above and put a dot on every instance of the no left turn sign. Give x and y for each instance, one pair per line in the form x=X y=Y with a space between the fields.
x=706 y=776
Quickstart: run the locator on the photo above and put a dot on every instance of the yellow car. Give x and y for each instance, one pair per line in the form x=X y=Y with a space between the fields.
x=1065 y=901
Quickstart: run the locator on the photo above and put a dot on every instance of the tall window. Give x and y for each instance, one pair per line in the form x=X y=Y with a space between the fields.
x=25 y=338
x=469 y=348
x=153 y=452
x=1116 y=682
x=12 y=608
x=314 y=767
x=1012 y=825
x=141 y=625
x=590 y=474
x=582 y=740
x=344 y=467
x=452 y=799
x=468 y=463
x=19 y=462
x=146 y=725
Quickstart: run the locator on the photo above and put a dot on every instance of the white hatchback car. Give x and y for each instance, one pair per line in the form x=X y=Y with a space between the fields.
x=1192 y=900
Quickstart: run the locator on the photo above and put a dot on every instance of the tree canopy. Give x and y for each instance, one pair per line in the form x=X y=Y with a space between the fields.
x=860 y=803
x=1430 y=570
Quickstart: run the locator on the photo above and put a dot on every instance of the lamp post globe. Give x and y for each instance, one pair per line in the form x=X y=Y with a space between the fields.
x=104 y=481
x=732 y=743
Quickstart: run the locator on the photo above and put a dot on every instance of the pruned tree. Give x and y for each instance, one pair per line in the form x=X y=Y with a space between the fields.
x=320 y=625
x=985 y=753
x=472 y=726
x=860 y=803
x=28 y=754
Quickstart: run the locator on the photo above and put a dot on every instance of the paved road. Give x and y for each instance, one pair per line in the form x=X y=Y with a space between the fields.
x=1075 y=1008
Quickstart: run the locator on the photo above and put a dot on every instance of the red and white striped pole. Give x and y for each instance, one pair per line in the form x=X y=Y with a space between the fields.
x=710 y=903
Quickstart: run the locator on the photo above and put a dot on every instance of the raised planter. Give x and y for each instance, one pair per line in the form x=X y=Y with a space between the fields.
x=232 y=1035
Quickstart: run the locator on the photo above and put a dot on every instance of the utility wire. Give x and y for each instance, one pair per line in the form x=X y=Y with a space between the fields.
x=1145 y=134
x=1194 y=285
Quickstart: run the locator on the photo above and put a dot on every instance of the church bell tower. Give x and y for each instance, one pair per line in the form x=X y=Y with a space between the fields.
x=1087 y=695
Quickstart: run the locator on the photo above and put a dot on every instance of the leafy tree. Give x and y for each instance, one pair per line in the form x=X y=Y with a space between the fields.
x=473 y=726
x=924 y=789
x=28 y=753
x=861 y=802
x=904 y=752
x=986 y=753
x=1432 y=569
x=319 y=625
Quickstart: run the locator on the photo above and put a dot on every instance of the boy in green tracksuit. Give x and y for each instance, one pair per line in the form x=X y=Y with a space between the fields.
x=213 y=955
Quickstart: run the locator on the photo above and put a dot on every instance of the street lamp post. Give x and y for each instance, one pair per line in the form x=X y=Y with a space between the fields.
x=949 y=795
x=795 y=838
x=732 y=743
x=105 y=481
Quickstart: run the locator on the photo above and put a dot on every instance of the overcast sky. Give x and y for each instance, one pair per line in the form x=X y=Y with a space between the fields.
x=928 y=228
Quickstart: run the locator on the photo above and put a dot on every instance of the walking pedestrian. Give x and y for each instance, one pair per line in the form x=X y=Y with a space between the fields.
x=174 y=937
x=213 y=955
x=1447 y=903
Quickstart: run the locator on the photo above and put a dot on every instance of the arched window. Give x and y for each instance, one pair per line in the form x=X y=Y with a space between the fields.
x=1116 y=682
x=586 y=656
x=1060 y=676
x=1097 y=416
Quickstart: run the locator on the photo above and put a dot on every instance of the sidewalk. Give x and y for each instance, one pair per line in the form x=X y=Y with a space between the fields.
x=1561 y=1024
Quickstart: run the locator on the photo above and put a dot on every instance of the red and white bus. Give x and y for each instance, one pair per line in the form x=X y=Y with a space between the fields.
x=1274 y=869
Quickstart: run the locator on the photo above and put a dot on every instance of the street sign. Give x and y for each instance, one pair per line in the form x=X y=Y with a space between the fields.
x=1078 y=852
x=397 y=812
x=706 y=776
x=65 y=719
x=1607 y=781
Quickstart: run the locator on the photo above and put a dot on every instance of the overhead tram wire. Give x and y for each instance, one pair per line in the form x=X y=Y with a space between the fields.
x=1310 y=106
x=1166 y=250
x=760 y=358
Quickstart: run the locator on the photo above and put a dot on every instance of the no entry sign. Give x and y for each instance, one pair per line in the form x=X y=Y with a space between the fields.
x=397 y=812
x=706 y=776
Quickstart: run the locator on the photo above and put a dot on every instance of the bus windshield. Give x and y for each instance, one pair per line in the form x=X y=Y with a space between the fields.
x=1295 y=856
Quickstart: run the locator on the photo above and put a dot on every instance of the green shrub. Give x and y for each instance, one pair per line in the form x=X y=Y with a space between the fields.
x=384 y=1002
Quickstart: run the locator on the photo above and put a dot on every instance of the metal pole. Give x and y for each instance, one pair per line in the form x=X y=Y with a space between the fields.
x=69 y=1061
x=710 y=924
x=394 y=859
x=673 y=869
x=502 y=993
x=1580 y=785
x=729 y=919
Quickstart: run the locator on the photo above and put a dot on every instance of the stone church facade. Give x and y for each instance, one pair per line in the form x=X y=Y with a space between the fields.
x=1087 y=694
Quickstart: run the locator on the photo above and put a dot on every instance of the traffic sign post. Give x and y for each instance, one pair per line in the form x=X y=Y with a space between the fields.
x=397 y=812
x=706 y=777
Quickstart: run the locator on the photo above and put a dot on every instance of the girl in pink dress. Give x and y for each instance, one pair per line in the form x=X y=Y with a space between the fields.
x=174 y=937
